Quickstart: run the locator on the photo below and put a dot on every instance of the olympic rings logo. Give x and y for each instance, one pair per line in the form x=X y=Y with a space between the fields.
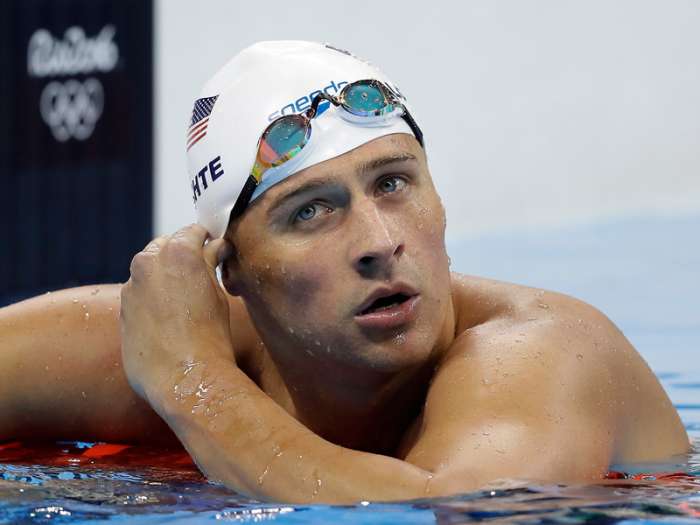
x=72 y=108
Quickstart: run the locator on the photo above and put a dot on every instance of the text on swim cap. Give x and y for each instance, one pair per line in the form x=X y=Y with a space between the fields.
x=302 y=103
x=215 y=171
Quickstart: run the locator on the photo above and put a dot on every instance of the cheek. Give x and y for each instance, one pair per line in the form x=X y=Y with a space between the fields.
x=427 y=226
x=296 y=285
x=426 y=236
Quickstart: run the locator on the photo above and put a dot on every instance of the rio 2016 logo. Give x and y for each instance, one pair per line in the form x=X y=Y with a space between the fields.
x=72 y=108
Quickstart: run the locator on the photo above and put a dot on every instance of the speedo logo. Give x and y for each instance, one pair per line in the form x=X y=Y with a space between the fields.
x=302 y=103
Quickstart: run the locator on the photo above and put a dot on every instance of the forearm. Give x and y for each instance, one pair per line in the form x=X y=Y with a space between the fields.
x=239 y=436
x=61 y=374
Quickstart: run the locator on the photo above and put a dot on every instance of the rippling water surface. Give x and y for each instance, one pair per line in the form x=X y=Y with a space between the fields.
x=78 y=489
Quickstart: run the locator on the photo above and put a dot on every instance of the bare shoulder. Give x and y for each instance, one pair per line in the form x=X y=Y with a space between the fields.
x=554 y=356
x=478 y=300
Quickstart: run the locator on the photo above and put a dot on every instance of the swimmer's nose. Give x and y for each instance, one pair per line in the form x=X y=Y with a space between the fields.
x=377 y=245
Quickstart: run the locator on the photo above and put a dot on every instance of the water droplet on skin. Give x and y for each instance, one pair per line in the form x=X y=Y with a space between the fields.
x=75 y=301
x=261 y=478
x=291 y=330
x=83 y=394
x=543 y=306
x=309 y=352
x=579 y=356
x=87 y=316
x=317 y=342
x=46 y=368
x=317 y=488
x=95 y=291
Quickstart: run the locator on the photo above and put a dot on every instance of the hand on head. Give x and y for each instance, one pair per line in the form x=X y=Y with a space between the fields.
x=173 y=310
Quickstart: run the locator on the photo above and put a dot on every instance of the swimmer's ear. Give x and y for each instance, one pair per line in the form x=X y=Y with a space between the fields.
x=230 y=271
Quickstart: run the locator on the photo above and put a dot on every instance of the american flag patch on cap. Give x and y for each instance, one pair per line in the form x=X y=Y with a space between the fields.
x=200 y=120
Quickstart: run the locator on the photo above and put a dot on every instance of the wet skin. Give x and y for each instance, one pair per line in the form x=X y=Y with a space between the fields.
x=309 y=255
x=286 y=388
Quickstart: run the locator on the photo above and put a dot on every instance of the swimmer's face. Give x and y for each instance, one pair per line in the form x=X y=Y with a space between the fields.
x=313 y=249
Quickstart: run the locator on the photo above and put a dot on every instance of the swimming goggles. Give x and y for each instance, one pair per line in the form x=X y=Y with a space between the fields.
x=364 y=101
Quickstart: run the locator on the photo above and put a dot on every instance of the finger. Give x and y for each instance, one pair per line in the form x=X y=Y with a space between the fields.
x=156 y=244
x=192 y=234
x=216 y=251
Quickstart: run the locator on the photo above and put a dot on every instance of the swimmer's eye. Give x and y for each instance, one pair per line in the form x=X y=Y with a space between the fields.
x=309 y=211
x=391 y=184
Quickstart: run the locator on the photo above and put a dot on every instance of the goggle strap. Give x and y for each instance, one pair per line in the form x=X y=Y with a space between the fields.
x=311 y=112
x=414 y=127
x=244 y=197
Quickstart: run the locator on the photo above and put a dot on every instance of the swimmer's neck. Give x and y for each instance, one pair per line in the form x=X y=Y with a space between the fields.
x=361 y=409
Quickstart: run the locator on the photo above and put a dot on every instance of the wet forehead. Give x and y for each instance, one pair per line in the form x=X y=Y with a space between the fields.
x=374 y=154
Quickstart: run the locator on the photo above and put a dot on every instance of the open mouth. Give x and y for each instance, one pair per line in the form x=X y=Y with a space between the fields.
x=385 y=303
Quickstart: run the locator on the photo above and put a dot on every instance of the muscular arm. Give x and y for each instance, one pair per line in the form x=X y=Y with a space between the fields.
x=510 y=402
x=61 y=374
x=472 y=434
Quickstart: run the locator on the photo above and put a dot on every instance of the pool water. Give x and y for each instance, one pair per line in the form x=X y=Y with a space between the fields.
x=645 y=274
x=57 y=483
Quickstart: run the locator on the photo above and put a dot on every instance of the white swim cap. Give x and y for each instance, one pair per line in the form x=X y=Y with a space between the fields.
x=262 y=82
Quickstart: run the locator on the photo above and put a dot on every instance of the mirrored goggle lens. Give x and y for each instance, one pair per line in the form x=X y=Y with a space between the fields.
x=365 y=99
x=283 y=139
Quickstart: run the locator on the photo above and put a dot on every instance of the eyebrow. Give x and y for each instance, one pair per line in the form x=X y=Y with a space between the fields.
x=304 y=188
x=380 y=162
x=362 y=169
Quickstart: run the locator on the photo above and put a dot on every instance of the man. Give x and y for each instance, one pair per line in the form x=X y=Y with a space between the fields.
x=346 y=362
